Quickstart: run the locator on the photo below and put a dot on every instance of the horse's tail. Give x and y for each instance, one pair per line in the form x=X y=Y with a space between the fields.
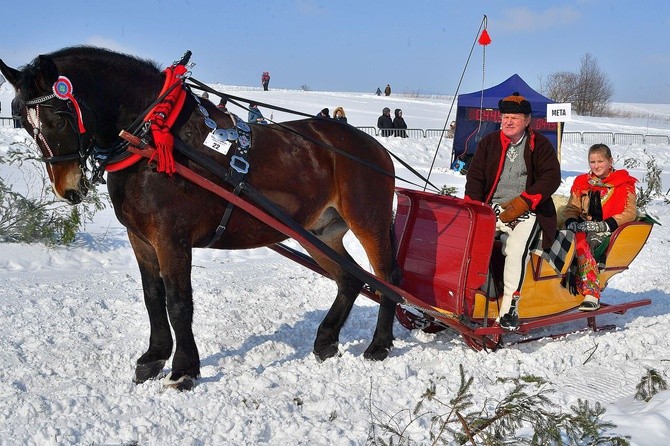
x=396 y=273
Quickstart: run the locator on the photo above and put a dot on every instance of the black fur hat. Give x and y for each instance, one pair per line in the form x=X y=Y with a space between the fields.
x=515 y=104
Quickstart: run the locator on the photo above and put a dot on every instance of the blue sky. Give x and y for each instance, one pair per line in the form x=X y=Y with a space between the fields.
x=358 y=45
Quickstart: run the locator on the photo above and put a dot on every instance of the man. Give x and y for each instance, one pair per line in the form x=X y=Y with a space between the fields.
x=17 y=103
x=385 y=122
x=516 y=171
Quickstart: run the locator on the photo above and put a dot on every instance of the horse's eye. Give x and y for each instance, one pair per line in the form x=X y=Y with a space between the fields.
x=61 y=122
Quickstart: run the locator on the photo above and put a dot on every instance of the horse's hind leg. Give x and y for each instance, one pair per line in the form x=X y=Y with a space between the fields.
x=150 y=364
x=348 y=287
x=379 y=245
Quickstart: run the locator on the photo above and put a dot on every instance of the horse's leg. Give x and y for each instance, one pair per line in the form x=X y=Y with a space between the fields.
x=150 y=364
x=348 y=287
x=330 y=229
x=377 y=238
x=175 y=260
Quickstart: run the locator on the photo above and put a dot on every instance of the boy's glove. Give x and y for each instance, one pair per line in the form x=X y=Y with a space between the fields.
x=513 y=209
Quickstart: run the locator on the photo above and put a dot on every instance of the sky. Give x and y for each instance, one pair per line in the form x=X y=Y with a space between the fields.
x=351 y=45
x=73 y=323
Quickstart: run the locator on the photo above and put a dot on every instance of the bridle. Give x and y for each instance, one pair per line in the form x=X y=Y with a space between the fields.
x=66 y=105
x=92 y=158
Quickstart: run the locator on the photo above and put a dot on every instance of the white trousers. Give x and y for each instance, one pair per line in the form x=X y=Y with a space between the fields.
x=517 y=239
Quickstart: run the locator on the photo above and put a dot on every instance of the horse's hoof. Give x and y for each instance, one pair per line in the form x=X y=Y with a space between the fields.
x=330 y=351
x=185 y=382
x=150 y=370
x=376 y=353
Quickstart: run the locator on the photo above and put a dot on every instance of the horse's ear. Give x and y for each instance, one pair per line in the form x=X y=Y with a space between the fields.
x=13 y=76
x=47 y=72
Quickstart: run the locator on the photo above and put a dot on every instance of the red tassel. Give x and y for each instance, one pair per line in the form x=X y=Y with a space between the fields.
x=163 y=116
x=484 y=39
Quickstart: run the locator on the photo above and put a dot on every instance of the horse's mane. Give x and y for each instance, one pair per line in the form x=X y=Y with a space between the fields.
x=104 y=57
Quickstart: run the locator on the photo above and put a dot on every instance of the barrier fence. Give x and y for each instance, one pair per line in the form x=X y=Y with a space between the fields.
x=568 y=137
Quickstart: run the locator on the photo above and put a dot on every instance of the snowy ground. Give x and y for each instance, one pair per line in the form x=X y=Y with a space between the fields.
x=72 y=324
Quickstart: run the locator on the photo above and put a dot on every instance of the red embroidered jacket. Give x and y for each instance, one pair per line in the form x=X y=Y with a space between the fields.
x=617 y=197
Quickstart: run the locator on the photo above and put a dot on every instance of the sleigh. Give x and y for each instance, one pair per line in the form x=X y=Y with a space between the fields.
x=451 y=261
x=285 y=182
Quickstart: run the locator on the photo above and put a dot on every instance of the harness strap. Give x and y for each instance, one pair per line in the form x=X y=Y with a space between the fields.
x=224 y=219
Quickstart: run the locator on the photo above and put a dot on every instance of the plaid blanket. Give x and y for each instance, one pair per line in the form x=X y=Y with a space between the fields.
x=557 y=253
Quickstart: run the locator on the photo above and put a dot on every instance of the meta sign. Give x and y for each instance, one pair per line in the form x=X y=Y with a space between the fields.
x=559 y=112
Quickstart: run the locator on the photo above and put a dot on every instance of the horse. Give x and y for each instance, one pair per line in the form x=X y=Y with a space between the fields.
x=78 y=99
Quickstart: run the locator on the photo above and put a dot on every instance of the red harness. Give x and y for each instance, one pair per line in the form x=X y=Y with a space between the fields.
x=161 y=118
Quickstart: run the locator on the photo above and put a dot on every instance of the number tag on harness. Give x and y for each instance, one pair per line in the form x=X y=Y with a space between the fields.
x=216 y=143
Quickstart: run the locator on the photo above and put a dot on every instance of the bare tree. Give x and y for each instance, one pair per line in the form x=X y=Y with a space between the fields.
x=561 y=86
x=589 y=90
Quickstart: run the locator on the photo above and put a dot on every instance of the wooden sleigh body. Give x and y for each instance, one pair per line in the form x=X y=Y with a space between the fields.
x=447 y=253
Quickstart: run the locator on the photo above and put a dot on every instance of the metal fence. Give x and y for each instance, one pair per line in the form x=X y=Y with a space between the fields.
x=568 y=137
x=6 y=122
x=614 y=138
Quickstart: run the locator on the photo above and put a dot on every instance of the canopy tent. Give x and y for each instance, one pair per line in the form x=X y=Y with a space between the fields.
x=477 y=115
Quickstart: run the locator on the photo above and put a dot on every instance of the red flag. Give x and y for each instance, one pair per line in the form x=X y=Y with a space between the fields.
x=484 y=39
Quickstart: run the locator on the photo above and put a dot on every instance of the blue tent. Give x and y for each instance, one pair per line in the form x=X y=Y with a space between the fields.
x=477 y=115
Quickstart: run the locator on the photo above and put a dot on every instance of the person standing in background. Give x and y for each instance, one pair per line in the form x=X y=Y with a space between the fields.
x=387 y=90
x=324 y=113
x=384 y=122
x=265 y=80
x=399 y=123
x=17 y=103
x=339 y=115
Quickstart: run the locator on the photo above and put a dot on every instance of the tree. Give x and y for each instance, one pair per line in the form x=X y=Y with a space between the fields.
x=589 y=90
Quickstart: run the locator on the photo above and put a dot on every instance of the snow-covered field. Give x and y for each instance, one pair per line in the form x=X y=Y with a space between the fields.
x=72 y=324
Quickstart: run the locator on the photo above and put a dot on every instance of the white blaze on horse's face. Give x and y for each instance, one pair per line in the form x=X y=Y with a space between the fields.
x=65 y=177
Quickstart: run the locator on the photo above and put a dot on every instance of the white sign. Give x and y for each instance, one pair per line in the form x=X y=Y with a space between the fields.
x=559 y=112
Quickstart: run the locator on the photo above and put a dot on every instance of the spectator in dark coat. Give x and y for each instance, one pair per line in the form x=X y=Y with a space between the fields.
x=17 y=103
x=387 y=90
x=325 y=113
x=385 y=122
x=399 y=123
x=339 y=115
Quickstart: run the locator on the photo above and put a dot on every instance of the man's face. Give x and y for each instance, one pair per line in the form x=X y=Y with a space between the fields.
x=513 y=125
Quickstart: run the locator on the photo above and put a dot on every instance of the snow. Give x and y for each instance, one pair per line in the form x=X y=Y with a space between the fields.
x=73 y=323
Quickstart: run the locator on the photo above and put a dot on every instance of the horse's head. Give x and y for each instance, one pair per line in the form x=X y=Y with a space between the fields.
x=51 y=115
x=77 y=100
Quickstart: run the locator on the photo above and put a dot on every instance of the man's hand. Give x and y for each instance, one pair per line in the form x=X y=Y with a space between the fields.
x=592 y=226
x=513 y=209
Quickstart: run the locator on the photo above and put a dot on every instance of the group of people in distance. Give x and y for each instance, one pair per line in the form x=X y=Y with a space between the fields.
x=516 y=171
x=392 y=127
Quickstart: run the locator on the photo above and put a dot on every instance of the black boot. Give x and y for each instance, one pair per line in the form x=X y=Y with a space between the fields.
x=510 y=320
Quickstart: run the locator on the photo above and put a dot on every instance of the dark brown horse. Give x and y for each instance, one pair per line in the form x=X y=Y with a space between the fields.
x=167 y=216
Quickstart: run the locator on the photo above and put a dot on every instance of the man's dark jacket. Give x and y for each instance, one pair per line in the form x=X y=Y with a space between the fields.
x=544 y=176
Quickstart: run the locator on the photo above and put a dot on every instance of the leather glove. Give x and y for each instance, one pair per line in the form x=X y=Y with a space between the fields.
x=572 y=226
x=513 y=209
x=593 y=226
